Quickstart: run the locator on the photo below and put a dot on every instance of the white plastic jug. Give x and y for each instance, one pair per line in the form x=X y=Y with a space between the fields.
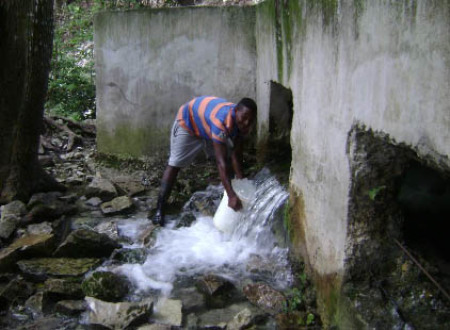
x=226 y=218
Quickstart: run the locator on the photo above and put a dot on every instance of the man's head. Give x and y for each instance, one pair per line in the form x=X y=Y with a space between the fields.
x=245 y=114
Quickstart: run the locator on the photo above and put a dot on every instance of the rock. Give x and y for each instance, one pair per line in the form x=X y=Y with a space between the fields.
x=86 y=243
x=186 y=219
x=70 y=307
x=40 y=228
x=148 y=236
x=117 y=315
x=106 y=286
x=109 y=228
x=220 y=318
x=94 y=201
x=50 y=322
x=168 y=311
x=101 y=188
x=26 y=246
x=206 y=202
x=155 y=326
x=47 y=206
x=59 y=288
x=17 y=290
x=131 y=187
x=191 y=299
x=118 y=205
x=42 y=268
x=10 y=217
x=217 y=291
x=265 y=297
x=86 y=221
x=36 y=304
x=129 y=256
x=242 y=320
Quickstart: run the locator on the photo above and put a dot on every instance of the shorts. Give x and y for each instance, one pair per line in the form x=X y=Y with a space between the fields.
x=184 y=147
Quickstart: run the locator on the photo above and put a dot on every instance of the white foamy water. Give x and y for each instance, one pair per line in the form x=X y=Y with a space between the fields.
x=202 y=249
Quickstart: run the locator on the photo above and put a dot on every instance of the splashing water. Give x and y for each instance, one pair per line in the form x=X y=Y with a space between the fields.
x=250 y=251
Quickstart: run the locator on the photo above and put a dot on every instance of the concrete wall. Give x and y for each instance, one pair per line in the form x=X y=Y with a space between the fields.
x=149 y=62
x=384 y=65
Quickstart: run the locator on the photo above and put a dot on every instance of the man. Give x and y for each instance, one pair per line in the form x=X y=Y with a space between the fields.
x=202 y=121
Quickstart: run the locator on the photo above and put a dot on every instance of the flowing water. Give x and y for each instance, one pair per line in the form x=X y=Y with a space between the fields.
x=250 y=252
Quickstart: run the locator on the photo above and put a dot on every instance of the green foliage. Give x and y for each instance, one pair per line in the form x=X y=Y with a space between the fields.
x=310 y=319
x=375 y=191
x=71 y=88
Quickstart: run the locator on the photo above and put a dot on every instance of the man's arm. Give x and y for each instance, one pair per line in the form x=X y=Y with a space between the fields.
x=236 y=157
x=220 y=151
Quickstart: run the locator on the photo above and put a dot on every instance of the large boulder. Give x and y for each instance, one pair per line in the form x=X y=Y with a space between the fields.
x=43 y=268
x=102 y=188
x=117 y=315
x=265 y=297
x=10 y=217
x=106 y=286
x=129 y=256
x=85 y=243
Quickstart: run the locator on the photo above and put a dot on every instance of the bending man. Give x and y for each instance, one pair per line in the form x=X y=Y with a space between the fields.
x=200 y=122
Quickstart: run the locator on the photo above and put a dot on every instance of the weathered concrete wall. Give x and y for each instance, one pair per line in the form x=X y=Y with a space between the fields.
x=149 y=62
x=384 y=65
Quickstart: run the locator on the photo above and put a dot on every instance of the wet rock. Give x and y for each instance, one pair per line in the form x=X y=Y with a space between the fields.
x=26 y=246
x=186 y=219
x=10 y=217
x=131 y=187
x=265 y=297
x=106 y=286
x=117 y=315
x=119 y=205
x=43 y=268
x=86 y=220
x=86 y=243
x=191 y=299
x=70 y=307
x=148 y=236
x=168 y=311
x=109 y=228
x=63 y=288
x=129 y=256
x=205 y=202
x=17 y=290
x=219 y=318
x=101 y=188
x=217 y=291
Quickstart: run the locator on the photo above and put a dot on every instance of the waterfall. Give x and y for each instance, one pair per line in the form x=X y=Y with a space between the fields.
x=250 y=251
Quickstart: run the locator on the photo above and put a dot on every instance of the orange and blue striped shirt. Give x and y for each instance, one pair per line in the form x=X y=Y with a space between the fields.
x=209 y=117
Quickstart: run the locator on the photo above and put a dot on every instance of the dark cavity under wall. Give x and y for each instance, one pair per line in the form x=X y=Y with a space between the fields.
x=277 y=152
x=396 y=199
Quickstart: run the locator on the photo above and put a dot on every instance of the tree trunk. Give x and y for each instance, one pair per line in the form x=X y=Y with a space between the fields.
x=26 y=37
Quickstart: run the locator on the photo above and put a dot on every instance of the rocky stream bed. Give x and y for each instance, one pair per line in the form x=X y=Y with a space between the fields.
x=57 y=247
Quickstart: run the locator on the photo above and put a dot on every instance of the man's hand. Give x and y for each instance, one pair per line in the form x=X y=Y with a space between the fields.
x=234 y=202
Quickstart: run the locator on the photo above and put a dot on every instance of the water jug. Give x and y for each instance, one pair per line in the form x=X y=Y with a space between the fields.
x=226 y=218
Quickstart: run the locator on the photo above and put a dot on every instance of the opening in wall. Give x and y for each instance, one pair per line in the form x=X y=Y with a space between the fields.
x=397 y=199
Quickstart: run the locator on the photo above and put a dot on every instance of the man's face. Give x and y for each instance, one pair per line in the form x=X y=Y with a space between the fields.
x=244 y=120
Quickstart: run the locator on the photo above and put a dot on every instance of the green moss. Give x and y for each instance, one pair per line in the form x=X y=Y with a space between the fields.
x=128 y=141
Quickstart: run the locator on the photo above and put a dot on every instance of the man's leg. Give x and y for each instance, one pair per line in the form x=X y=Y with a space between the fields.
x=168 y=179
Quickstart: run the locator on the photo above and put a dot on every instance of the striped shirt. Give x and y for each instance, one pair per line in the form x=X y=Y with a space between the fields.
x=209 y=117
